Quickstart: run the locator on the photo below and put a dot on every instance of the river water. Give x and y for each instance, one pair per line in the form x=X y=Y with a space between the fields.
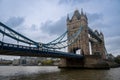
x=54 y=73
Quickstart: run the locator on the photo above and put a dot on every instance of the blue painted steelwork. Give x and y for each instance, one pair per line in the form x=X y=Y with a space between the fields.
x=57 y=40
x=58 y=43
x=71 y=40
x=46 y=48
x=40 y=49
x=11 y=32
x=33 y=51
x=94 y=35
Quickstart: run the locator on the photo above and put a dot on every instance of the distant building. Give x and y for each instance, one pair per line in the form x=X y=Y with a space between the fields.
x=110 y=57
x=30 y=60
x=16 y=62
x=5 y=62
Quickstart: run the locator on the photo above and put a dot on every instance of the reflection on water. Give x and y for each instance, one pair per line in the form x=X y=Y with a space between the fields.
x=53 y=73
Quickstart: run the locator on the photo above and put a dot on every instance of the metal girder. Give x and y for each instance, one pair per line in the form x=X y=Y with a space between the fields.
x=15 y=35
x=94 y=35
x=19 y=50
x=60 y=42
x=92 y=40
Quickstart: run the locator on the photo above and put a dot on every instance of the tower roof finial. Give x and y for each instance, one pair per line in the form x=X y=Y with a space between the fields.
x=77 y=14
x=101 y=33
x=68 y=17
x=81 y=11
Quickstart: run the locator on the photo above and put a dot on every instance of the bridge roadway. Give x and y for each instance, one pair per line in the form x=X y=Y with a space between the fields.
x=19 y=50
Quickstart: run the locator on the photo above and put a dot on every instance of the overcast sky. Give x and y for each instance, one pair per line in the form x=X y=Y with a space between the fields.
x=44 y=20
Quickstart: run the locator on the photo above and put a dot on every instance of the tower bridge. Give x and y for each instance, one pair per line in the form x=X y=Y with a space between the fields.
x=79 y=37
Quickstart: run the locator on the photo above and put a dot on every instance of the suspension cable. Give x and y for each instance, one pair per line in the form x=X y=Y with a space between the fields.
x=3 y=36
x=72 y=39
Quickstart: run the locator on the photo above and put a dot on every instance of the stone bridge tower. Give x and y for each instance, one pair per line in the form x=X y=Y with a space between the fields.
x=78 y=20
x=98 y=48
x=94 y=60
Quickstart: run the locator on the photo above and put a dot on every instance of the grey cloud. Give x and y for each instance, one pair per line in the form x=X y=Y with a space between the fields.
x=113 y=43
x=1 y=1
x=94 y=17
x=73 y=2
x=15 y=21
x=110 y=30
x=57 y=27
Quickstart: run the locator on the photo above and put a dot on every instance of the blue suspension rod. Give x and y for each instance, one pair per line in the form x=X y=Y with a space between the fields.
x=3 y=25
x=55 y=45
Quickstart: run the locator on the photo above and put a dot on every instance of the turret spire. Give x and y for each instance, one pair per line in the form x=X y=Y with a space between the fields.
x=68 y=17
x=81 y=11
x=101 y=33
x=76 y=14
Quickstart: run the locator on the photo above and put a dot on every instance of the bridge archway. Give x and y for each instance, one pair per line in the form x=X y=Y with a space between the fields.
x=90 y=48
x=78 y=51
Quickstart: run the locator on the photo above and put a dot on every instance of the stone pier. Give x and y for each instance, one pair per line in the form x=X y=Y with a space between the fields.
x=88 y=62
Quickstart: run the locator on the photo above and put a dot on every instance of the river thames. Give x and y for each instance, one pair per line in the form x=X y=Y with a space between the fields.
x=54 y=73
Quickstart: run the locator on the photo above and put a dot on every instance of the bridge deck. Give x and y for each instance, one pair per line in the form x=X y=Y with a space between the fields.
x=18 y=50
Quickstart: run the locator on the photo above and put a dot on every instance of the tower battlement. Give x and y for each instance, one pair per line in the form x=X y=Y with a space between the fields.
x=77 y=16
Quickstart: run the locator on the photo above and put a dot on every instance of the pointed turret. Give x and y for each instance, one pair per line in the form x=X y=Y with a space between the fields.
x=101 y=34
x=96 y=32
x=83 y=17
x=76 y=14
x=86 y=16
x=68 y=19
x=82 y=11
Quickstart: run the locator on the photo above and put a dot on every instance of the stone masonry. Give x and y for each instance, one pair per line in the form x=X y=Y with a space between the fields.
x=85 y=38
x=80 y=20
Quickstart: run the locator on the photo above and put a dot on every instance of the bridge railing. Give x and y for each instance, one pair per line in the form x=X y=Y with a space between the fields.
x=8 y=45
x=24 y=50
x=17 y=46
